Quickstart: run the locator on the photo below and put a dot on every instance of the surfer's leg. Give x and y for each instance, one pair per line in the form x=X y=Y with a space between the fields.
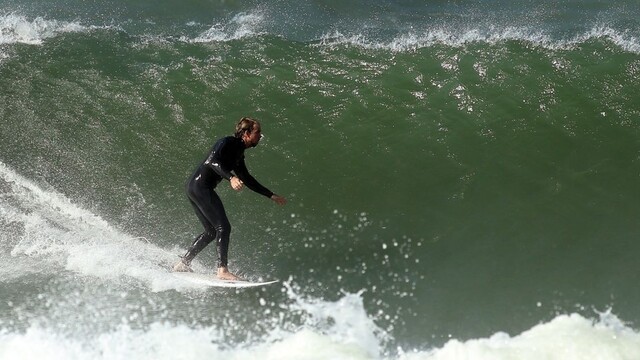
x=218 y=217
x=215 y=214
x=198 y=244
x=211 y=213
x=202 y=240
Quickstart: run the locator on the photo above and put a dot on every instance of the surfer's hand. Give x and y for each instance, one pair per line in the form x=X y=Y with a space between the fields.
x=236 y=183
x=278 y=199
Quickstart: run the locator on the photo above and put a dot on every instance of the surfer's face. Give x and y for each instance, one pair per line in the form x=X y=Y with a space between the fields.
x=252 y=138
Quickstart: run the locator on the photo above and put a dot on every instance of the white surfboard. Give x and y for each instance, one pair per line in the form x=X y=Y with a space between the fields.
x=211 y=280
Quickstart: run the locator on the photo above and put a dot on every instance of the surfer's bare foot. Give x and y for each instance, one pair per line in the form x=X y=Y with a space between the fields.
x=225 y=274
x=180 y=266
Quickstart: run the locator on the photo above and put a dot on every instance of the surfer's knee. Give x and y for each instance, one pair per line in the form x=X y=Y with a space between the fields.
x=223 y=228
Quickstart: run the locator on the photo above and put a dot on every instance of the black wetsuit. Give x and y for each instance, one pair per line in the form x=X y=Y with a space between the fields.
x=225 y=160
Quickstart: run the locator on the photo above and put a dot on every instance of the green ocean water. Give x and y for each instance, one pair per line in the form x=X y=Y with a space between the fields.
x=442 y=184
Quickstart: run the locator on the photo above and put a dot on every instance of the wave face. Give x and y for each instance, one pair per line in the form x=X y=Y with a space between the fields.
x=462 y=179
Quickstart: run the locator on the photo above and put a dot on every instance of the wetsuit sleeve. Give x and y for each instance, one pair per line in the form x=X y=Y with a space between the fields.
x=253 y=184
x=215 y=160
x=220 y=170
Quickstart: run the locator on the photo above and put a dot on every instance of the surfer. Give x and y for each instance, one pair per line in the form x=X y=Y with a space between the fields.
x=225 y=161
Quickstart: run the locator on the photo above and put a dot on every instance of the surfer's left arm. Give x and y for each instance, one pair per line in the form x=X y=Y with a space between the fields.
x=243 y=174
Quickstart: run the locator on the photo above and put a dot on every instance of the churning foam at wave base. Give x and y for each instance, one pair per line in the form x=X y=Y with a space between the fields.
x=329 y=330
x=567 y=337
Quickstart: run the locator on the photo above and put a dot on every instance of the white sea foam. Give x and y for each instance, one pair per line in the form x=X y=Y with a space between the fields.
x=567 y=337
x=624 y=40
x=240 y=26
x=43 y=231
x=458 y=38
x=16 y=28
x=417 y=40
x=328 y=330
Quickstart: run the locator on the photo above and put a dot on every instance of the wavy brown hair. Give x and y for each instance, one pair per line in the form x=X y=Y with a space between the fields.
x=245 y=125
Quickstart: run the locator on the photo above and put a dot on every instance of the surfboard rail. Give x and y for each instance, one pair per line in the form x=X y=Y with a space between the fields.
x=211 y=280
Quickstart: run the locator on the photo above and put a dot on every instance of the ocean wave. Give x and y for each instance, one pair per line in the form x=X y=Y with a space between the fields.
x=16 y=28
